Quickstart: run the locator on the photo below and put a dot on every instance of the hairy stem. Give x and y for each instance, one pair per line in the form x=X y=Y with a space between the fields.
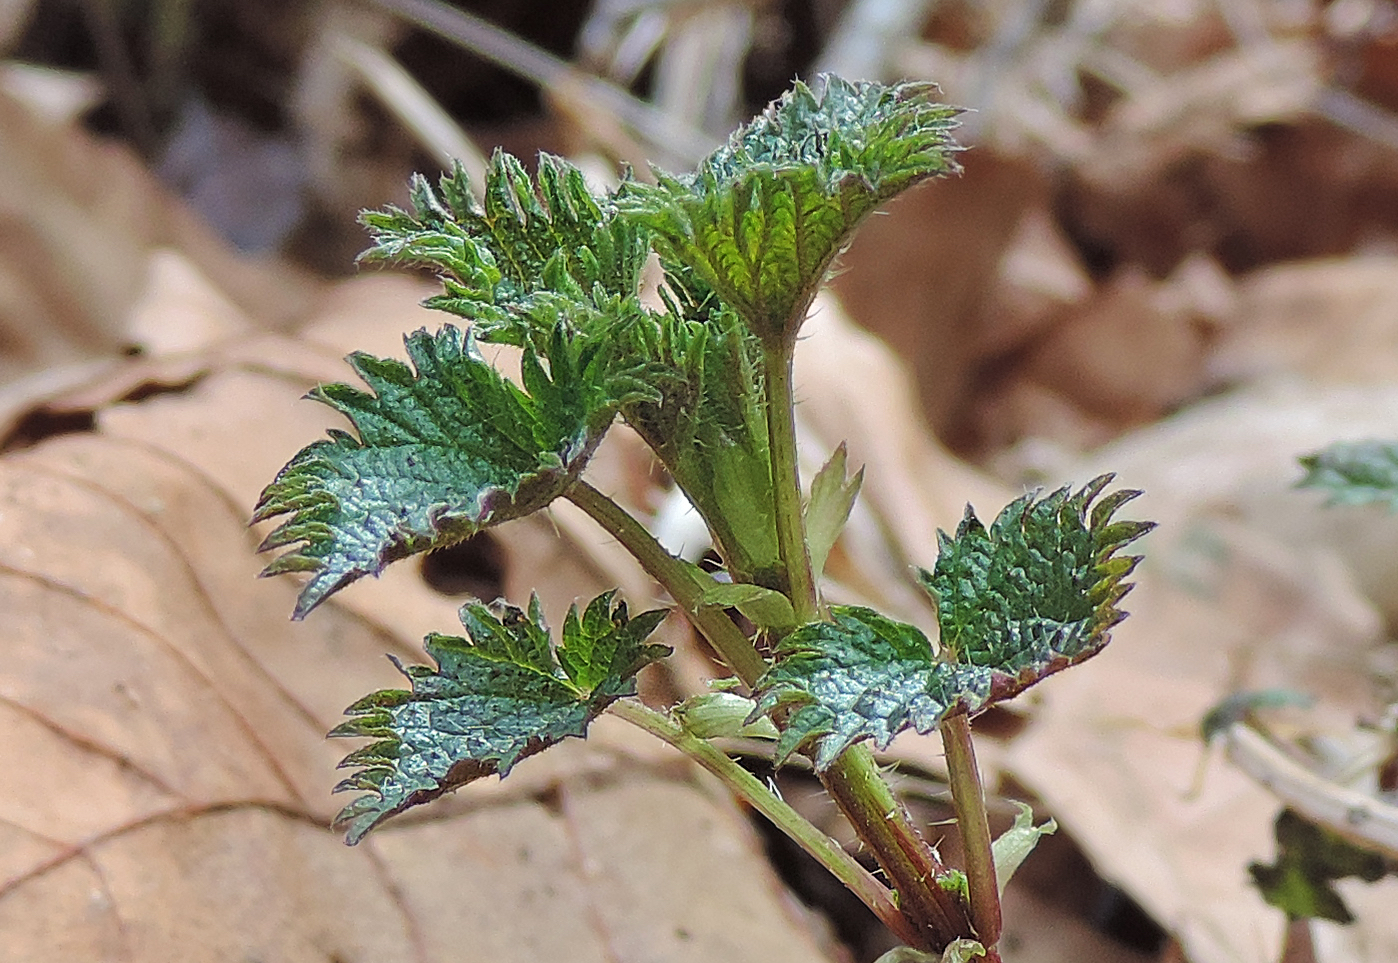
x=786 y=482
x=749 y=788
x=678 y=578
x=853 y=780
x=882 y=822
x=929 y=916
x=968 y=799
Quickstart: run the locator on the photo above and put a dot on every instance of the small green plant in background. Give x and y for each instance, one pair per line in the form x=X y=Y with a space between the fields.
x=446 y=446
x=1327 y=831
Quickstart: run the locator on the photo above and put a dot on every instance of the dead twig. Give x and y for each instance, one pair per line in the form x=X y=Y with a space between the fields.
x=414 y=107
x=1355 y=815
x=678 y=144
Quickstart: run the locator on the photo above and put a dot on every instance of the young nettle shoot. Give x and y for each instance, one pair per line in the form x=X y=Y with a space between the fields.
x=446 y=446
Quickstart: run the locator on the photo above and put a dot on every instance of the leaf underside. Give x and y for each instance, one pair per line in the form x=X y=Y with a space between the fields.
x=444 y=449
x=1355 y=473
x=764 y=216
x=1031 y=595
x=493 y=698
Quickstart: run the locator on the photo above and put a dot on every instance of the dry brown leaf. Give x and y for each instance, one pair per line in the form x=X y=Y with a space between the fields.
x=1025 y=421
x=1247 y=584
x=1040 y=279
x=1123 y=359
x=1132 y=351
x=919 y=275
x=170 y=723
x=1333 y=321
x=82 y=219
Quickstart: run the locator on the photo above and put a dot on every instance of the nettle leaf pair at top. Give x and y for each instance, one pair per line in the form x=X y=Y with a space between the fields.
x=449 y=446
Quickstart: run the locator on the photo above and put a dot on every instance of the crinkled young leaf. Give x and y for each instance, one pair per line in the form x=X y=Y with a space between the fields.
x=1035 y=593
x=1040 y=586
x=493 y=698
x=862 y=676
x=764 y=216
x=1310 y=859
x=1355 y=473
x=526 y=257
x=707 y=424
x=444 y=449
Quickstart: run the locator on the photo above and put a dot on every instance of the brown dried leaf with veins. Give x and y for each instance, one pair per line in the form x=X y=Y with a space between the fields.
x=168 y=725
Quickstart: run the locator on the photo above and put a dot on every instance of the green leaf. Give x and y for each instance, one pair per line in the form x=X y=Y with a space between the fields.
x=1015 y=844
x=493 y=698
x=861 y=676
x=832 y=499
x=530 y=255
x=1041 y=585
x=767 y=608
x=444 y=449
x=535 y=256
x=1032 y=595
x=764 y=216
x=1355 y=473
x=1310 y=859
x=1240 y=705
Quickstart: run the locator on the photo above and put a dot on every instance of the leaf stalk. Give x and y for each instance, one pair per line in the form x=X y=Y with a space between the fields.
x=750 y=789
x=884 y=825
x=853 y=780
x=930 y=916
x=678 y=578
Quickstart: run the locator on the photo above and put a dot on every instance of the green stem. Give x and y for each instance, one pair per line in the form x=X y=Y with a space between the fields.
x=968 y=799
x=681 y=580
x=748 y=787
x=786 y=482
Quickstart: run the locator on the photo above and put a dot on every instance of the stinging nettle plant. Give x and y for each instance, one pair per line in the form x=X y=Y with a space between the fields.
x=448 y=446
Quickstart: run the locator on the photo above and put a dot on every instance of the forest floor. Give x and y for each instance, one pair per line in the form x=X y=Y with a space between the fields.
x=1172 y=254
